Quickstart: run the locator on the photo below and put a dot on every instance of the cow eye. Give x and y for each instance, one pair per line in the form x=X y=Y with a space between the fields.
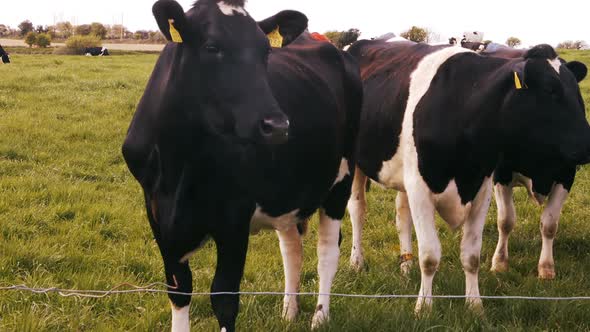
x=211 y=48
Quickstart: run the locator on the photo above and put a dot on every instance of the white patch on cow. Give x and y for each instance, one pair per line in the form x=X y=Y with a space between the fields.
x=223 y=329
x=342 y=171
x=229 y=10
x=521 y=180
x=391 y=173
x=180 y=319
x=88 y=54
x=328 y=253
x=292 y=253
x=449 y=206
x=403 y=223
x=506 y=221
x=357 y=205
x=261 y=220
x=396 y=39
x=419 y=195
x=555 y=63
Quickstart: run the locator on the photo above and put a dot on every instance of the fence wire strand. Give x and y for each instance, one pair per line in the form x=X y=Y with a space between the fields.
x=131 y=288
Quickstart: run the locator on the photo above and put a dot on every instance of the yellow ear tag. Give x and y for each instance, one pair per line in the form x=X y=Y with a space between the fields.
x=275 y=38
x=517 y=83
x=174 y=34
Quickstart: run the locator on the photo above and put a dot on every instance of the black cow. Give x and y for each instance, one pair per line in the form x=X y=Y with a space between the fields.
x=96 y=51
x=230 y=137
x=543 y=179
x=434 y=125
x=4 y=55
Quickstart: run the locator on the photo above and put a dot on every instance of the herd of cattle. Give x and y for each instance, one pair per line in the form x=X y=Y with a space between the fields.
x=249 y=125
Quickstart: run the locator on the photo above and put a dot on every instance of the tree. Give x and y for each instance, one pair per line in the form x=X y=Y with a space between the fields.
x=333 y=35
x=573 y=45
x=415 y=34
x=25 y=27
x=83 y=29
x=4 y=30
x=141 y=34
x=116 y=31
x=513 y=42
x=348 y=37
x=43 y=40
x=31 y=38
x=98 y=30
x=41 y=29
x=64 y=29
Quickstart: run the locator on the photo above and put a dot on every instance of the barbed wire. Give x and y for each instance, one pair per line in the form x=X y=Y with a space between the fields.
x=91 y=293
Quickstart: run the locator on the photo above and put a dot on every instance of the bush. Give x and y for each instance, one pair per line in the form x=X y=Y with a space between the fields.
x=31 y=38
x=77 y=44
x=43 y=40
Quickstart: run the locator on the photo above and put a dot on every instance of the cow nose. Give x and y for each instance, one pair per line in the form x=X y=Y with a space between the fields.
x=274 y=129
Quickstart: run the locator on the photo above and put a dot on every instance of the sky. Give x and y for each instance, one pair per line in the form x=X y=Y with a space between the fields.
x=533 y=22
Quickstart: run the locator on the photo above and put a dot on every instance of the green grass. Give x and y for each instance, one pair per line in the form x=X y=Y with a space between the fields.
x=71 y=216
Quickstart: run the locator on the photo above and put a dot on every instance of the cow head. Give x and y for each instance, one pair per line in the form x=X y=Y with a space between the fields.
x=220 y=68
x=544 y=111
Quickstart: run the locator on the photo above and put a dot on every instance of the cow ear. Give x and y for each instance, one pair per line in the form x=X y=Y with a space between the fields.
x=578 y=69
x=284 y=27
x=171 y=20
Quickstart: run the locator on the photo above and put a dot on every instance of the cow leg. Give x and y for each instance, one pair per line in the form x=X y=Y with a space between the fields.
x=178 y=275
x=357 y=205
x=331 y=215
x=471 y=244
x=549 y=223
x=403 y=223
x=429 y=249
x=231 y=258
x=328 y=253
x=292 y=252
x=506 y=221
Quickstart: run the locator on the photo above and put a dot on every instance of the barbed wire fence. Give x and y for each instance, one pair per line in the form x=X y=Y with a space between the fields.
x=128 y=288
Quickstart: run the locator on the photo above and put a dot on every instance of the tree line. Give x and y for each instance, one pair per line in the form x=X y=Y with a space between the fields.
x=65 y=30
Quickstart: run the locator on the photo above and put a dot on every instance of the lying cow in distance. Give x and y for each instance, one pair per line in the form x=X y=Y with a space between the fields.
x=438 y=130
x=4 y=55
x=232 y=136
x=96 y=51
x=543 y=179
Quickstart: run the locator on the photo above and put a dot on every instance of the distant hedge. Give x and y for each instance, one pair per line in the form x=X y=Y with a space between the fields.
x=77 y=44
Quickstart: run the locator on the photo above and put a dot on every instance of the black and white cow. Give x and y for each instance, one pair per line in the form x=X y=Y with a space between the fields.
x=436 y=121
x=96 y=51
x=4 y=55
x=230 y=138
x=543 y=179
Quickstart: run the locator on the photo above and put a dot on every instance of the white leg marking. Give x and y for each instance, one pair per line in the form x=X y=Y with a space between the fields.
x=471 y=243
x=292 y=252
x=549 y=223
x=328 y=253
x=223 y=329
x=555 y=63
x=180 y=319
x=342 y=171
x=357 y=206
x=419 y=195
x=229 y=10
x=403 y=223
x=506 y=221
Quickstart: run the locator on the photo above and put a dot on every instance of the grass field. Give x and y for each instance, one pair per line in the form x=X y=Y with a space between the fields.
x=72 y=216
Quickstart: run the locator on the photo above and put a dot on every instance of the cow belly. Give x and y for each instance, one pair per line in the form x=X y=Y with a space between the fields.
x=391 y=173
x=449 y=206
x=261 y=220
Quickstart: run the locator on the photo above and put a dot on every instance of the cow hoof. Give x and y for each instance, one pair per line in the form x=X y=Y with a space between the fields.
x=475 y=305
x=499 y=266
x=406 y=267
x=357 y=261
x=319 y=318
x=546 y=273
x=423 y=307
x=290 y=309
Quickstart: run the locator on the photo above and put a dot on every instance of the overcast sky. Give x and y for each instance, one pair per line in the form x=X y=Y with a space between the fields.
x=533 y=22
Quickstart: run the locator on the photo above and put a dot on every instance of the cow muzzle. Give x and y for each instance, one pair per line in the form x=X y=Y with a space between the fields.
x=274 y=128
